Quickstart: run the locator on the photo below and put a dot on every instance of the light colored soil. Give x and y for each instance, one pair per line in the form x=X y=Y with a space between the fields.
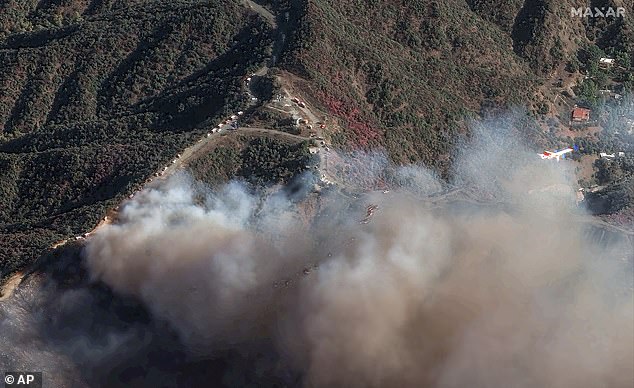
x=586 y=170
x=10 y=286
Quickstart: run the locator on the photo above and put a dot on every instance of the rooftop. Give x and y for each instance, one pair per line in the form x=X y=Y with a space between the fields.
x=581 y=114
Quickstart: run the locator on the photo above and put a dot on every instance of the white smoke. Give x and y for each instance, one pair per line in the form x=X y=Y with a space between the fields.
x=501 y=285
x=442 y=296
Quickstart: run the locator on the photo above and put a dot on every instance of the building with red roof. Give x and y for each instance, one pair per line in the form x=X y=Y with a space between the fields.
x=580 y=114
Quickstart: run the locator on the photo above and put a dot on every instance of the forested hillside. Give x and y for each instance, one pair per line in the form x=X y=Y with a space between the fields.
x=96 y=96
x=404 y=75
x=259 y=161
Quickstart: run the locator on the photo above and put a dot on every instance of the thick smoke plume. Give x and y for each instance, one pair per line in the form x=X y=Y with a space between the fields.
x=511 y=291
x=445 y=296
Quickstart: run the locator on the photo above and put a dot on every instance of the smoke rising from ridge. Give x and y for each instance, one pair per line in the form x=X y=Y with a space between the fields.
x=432 y=292
x=450 y=296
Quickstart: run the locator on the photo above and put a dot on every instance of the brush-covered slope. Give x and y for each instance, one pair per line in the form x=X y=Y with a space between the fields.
x=96 y=95
x=404 y=74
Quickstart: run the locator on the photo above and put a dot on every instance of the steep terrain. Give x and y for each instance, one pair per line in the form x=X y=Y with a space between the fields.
x=404 y=75
x=96 y=96
x=320 y=264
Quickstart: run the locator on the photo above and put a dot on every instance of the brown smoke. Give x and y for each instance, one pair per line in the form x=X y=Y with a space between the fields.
x=434 y=294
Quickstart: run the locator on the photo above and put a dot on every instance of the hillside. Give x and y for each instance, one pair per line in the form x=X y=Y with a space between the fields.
x=404 y=75
x=317 y=193
x=97 y=96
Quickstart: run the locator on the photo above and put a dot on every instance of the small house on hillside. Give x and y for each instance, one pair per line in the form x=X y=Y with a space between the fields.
x=580 y=115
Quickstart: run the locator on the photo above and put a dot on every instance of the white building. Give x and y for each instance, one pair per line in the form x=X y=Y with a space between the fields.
x=606 y=62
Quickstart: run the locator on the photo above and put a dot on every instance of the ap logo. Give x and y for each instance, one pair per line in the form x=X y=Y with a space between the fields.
x=23 y=379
